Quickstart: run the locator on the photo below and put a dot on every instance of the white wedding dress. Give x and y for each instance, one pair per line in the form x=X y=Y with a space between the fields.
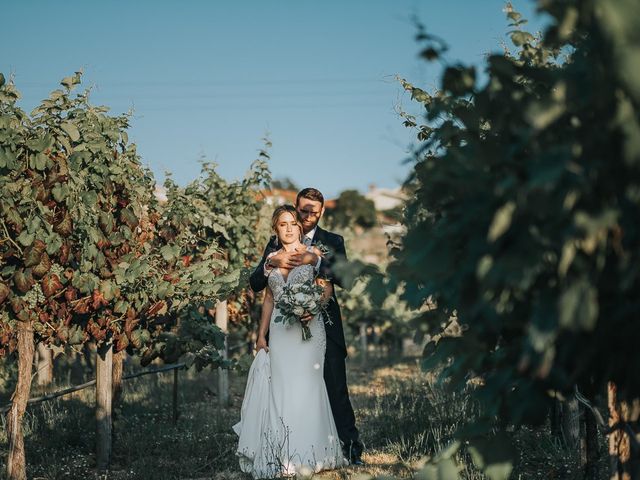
x=286 y=425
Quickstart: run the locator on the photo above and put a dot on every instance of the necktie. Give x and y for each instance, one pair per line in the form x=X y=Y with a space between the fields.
x=306 y=241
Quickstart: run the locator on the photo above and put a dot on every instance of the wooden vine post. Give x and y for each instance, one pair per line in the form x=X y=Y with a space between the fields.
x=44 y=365
x=16 y=461
x=222 y=319
x=104 y=398
x=116 y=377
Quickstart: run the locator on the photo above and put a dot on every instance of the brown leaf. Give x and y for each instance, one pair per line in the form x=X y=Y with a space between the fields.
x=129 y=218
x=33 y=253
x=130 y=324
x=95 y=331
x=51 y=285
x=71 y=294
x=98 y=299
x=122 y=342
x=63 y=257
x=65 y=226
x=103 y=243
x=4 y=292
x=23 y=280
x=62 y=333
x=82 y=306
x=41 y=269
x=17 y=304
x=158 y=308
x=68 y=273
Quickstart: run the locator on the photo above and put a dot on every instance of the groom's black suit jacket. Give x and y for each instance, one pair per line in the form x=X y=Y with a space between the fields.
x=335 y=244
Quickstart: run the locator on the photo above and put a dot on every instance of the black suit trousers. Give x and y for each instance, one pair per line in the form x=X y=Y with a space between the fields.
x=335 y=378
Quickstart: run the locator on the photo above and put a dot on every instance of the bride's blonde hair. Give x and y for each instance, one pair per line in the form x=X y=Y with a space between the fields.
x=279 y=211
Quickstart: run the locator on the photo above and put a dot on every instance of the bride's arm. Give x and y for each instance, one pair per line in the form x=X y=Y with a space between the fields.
x=267 y=310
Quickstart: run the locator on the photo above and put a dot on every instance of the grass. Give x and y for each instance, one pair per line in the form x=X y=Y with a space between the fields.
x=402 y=416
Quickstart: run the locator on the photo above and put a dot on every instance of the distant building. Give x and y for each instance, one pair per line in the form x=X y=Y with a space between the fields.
x=278 y=196
x=385 y=198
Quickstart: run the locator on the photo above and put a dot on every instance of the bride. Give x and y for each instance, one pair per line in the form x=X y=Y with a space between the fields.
x=286 y=424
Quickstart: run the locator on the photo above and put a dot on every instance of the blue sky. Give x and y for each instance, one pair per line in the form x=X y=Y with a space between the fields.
x=210 y=78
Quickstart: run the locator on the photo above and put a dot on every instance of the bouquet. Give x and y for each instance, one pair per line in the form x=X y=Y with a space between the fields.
x=298 y=300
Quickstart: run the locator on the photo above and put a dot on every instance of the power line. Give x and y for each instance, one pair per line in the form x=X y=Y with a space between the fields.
x=174 y=83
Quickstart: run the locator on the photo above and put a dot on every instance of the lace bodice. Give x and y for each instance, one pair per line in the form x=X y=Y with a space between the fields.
x=301 y=274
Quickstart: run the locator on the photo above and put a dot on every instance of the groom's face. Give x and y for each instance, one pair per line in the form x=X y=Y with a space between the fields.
x=310 y=211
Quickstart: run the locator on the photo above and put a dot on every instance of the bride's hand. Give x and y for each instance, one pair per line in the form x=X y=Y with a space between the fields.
x=262 y=344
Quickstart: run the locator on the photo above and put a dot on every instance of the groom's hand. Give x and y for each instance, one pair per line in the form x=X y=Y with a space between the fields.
x=290 y=260
x=305 y=258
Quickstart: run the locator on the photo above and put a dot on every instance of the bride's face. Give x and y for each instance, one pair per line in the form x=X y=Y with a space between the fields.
x=287 y=229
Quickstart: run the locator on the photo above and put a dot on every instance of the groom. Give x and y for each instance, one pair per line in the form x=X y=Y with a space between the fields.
x=310 y=206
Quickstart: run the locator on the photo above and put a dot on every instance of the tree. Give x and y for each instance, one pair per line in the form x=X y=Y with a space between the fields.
x=525 y=222
x=353 y=208
x=88 y=254
x=284 y=184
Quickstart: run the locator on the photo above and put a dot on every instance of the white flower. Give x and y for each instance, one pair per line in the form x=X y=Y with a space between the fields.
x=298 y=310
x=300 y=298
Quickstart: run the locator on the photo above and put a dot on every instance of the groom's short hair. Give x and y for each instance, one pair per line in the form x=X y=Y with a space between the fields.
x=310 y=194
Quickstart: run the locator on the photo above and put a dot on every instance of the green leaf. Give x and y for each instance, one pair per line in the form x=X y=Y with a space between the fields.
x=579 y=306
x=71 y=81
x=164 y=288
x=57 y=350
x=54 y=242
x=60 y=192
x=85 y=282
x=71 y=130
x=76 y=335
x=519 y=38
x=445 y=469
x=170 y=253
x=443 y=466
x=9 y=158
x=40 y=143
x=107 y=288
x=26 y=238
x=41 y=161
x=501 y=221
x=494 y=456
x=90 y=198
x=120 y=307
x=513 y=15
x=542 y=114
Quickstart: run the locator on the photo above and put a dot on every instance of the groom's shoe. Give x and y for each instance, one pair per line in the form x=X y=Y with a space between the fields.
x=354 y=454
